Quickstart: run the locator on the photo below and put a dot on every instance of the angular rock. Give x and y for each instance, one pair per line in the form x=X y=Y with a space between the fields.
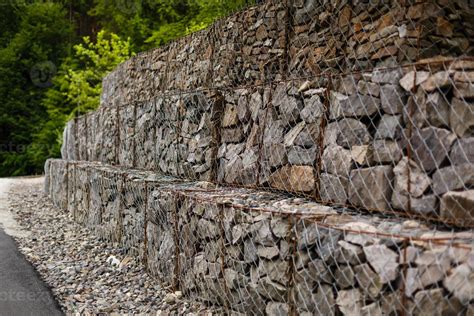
x=389 y=127
x=431 y=146
x=349 y=301
x=293 y=178
x=337 y=160
x=333 y=188
x=426 y=204
x=437 y=109
x=461 y=118
x=462 y=151
x=349 y=253
x=277 y=309
x=392 y=99
x=356 y=105
x=230 y=116
x=301 y=156
x=419 y=181
x=385 y=151
x=344 y=277
x=437 y=81
x=347 y=133
x=408 y=82
x=275 y=155
x=453 y=178
x=313 y=110
x=232 y=135
x=366 y=87
x=458 y=207
x=368 y=280
x=371 y=188
x=383 y=260
x=427 y=301
x=460 y=282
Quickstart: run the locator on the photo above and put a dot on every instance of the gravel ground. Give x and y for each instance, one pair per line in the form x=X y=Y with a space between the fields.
x=74 y=263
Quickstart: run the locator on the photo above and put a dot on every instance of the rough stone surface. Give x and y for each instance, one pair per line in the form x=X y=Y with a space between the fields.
x=458 y=207
x=371 y=187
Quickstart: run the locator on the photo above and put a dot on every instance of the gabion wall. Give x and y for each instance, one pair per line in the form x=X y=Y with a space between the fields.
x=295 y=157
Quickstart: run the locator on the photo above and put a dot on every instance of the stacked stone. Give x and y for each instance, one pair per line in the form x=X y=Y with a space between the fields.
x=250 y=46
x=199 y=118
x=94 y=136
x=126 y=135
x=82 y=141
x=108 y=127
x=339 y=36
x=145 y=135
x=189 y=62
x=68 y=147
x=241 y=129
x=256 y=251
x=166 y=121
x=150 y=75
x=291 y=140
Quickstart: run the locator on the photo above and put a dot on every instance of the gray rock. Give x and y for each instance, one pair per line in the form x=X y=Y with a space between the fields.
x=437 y=109
x=461 y=118
x=288 y=106
x=275 y=155
x=291 y=136
x=369 y=281
x=366 y=87
x=268 y=252
x=256 y=103
x=333 y=188
x=349 y=301
x=356 y=105
x=419 y=181
x=392 y=99
x=461 y=283
x=344 y=277
x=462 y=151
x=232 y=135
x=426 y=204
x=408 y=82
x=309 y=136
x=453 y=178
x=431 y=146
x=313 y=110
x=386 y=76
x=301 y=156
x=349 y=253
x=347 y=133
x=437 y=81
x=435 y=302
x=389 y=127
x=277 y=309
x=458 y=207
x=383 y=260
x=337 y=160
x=371 y=187
x=385 y=151
x=273 y=132
x=271 y=290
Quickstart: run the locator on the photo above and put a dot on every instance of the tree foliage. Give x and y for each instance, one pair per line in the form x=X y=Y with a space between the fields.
x=54 y=54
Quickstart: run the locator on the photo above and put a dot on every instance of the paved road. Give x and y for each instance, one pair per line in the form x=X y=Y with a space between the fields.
x=21 y=290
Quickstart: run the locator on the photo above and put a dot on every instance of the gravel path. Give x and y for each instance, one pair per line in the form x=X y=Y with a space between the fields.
x=74 y=263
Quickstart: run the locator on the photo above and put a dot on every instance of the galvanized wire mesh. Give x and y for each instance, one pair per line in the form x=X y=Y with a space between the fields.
x=298 y=157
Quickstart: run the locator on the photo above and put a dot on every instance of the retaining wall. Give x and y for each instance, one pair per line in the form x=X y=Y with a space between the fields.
x=257 y=252
x=294 y=157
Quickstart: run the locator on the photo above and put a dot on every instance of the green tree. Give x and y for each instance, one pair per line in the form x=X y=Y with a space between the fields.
x=77 y=89
x=27 y=62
